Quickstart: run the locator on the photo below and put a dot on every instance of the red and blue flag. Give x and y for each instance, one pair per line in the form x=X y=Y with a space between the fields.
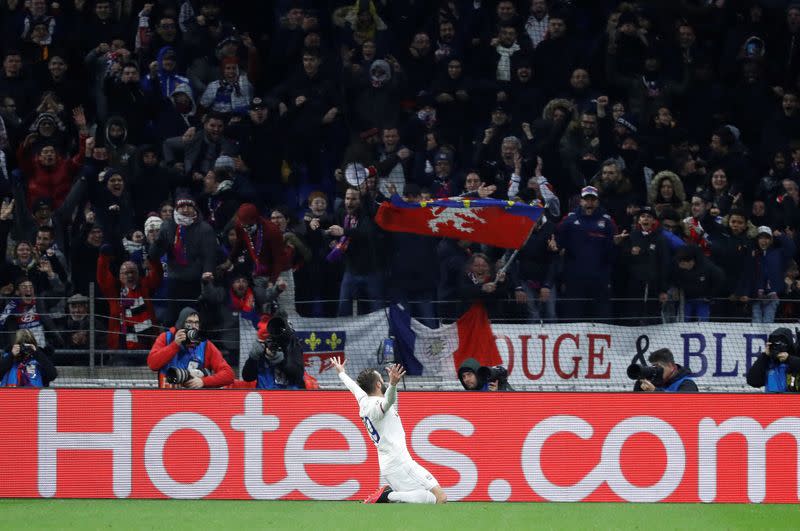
x=490 y=221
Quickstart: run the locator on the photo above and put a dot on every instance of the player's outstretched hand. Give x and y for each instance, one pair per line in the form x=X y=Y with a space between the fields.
x=338 y=364
x=396 y=372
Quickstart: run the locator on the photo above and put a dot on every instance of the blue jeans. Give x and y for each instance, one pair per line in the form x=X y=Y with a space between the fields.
x=764 y=310
x=360 y=286
x=538 y=310
x=696 y=310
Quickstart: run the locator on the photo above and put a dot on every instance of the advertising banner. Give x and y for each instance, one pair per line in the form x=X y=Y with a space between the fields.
x=234 y=444
x=573 y=356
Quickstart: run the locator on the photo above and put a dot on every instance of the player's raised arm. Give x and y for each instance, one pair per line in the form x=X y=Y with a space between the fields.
x=338 y=364
x=396 y=373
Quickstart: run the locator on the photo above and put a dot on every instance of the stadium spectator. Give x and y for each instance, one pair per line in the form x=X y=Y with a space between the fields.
x=131 y=322
x=699 y=280
x=25 y=364
x=360 y=241
x=473 y=377
x=674 y=378
x=776 y=368
x=765 y=272
x=273 y=364
x=587 y=236
x=183 y=347
x=189 y=244
x=75 y=330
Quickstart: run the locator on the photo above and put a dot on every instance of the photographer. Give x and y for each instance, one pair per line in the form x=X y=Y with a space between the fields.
x=476 y=378
x=662 y=375
x=777 y=368
x=183 y=358
x=276 y=359
x=26 y=365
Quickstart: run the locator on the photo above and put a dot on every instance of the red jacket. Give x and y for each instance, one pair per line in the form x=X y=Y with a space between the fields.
x=272 y=254
x=140 y=315
x=161 y=354
x=54 y=182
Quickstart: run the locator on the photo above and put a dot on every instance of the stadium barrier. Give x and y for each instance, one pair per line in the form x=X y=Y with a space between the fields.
x=481 y=447
x=554 y=356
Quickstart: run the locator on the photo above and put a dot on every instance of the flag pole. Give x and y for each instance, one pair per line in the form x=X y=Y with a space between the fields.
x=516 y=252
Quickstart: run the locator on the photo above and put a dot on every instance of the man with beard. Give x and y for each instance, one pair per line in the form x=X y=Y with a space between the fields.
x=194 y=153
x=361 y=239
x=581 y=141
x=587 y=237
x=190 y=246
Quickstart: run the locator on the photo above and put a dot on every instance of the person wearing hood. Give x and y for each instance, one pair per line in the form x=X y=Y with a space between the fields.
x=116 y=135
x=231 y=93
x=218 y=203
x=164 y=79
x=474 y=377
x=666 y=191
x=177 y=113
x=228 y=298
x=376 y=95
x=48 y=174
x=184 y=347
x=271 y=367
x=50 y=129
x=112 y=204
x=150 y=182
x=259 y=247
x=190 y=246
x=588 y=236
x=776 y=369
x=651 y=89
x=674 y=378
x=262 y=146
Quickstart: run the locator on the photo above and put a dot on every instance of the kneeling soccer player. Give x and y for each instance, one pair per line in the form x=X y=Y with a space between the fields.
x=408 y=482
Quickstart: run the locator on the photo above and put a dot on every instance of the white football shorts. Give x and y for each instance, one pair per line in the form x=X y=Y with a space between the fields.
x=409 y=476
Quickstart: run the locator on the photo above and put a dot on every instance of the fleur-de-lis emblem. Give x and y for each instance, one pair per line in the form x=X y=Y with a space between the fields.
x=334 y=341
x=313 y=341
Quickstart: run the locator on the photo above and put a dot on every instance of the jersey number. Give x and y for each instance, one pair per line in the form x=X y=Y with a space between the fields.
x=373 y=433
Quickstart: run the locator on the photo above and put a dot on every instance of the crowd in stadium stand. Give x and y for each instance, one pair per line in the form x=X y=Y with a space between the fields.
x=205 y=150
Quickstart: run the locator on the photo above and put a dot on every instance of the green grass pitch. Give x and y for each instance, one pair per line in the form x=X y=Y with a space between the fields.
x=244 y=515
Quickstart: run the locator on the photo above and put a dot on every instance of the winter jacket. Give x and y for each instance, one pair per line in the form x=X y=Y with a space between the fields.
x=678 y=203
x=651 y=265
x=53 y=182
x=704 y=281
x=765 y=270
x=200 y=246
x=270 y=259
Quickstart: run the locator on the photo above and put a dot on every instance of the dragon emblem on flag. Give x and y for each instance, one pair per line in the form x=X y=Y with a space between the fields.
x=459 y=218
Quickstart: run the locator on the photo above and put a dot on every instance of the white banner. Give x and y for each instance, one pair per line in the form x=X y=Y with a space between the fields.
x=568 y=357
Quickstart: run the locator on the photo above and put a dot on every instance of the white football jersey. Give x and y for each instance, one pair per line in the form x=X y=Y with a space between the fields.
x=382 y=422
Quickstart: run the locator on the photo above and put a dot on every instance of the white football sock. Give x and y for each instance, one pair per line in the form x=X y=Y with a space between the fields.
x=412 y=496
